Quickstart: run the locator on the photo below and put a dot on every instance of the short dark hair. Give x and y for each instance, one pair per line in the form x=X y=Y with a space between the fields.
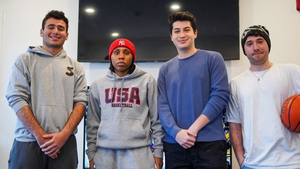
x=59 y=15
x=182 y=16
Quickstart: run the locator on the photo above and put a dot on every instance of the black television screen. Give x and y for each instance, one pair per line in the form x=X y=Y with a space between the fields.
x=144 y=22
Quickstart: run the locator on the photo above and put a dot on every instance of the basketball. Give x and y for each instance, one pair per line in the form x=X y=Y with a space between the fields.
x=290 y=113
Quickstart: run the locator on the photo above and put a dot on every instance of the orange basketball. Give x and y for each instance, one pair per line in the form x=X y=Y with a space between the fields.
x=290 y=113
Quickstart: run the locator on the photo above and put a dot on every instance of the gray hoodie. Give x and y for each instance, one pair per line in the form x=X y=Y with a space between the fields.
x=50 y=85
x=123 y=120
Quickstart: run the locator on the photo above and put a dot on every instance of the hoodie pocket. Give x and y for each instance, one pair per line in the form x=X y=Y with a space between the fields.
x=121 y=134
x=52 y=118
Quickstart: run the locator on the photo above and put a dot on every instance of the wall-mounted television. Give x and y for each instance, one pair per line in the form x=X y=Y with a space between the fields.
x=144 y=22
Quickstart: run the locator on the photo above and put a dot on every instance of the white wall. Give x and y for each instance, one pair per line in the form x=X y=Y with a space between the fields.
x=20 y=22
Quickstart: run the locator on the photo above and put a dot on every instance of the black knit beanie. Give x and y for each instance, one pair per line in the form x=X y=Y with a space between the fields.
x=254 y=31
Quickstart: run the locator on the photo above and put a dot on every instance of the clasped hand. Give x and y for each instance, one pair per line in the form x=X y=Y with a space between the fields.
x=185 y=138
x=52 y=143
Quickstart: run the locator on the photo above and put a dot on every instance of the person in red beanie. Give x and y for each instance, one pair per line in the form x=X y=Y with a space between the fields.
x=122 y=115
x=122 y=66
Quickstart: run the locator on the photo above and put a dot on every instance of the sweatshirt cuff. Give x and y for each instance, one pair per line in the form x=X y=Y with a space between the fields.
x=174 y=131
x=91 y=154
x=84 y=103
x=210 y=112
x=158 y=153
x=19 y=105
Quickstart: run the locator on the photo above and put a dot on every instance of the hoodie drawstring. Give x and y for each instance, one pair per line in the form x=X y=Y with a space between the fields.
x=114 y=88
x=122 y=94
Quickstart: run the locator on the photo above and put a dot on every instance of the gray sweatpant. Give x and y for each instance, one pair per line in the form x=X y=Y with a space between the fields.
x=137 y=158
x=28 y=155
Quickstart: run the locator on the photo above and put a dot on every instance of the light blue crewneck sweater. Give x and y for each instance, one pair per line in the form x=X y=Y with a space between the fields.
x=191 y=87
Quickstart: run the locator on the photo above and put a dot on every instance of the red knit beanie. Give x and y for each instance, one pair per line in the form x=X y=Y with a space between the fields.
x=122 y=43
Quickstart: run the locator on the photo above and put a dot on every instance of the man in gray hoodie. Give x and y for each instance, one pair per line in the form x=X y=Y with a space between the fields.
x=47 y=91
x=122 y=115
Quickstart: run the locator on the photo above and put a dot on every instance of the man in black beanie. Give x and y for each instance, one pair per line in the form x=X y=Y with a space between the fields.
x=259 y=138
x=256 y=30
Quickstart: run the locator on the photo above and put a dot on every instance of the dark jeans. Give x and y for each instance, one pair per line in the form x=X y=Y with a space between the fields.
x=203 y=155
x=28 y=155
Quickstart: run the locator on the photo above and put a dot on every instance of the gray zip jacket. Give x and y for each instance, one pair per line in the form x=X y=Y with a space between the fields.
x=49 y=85
x=122 y=113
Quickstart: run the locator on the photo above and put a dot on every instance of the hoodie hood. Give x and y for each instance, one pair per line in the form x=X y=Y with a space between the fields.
x=135 y=74
x=39 y=50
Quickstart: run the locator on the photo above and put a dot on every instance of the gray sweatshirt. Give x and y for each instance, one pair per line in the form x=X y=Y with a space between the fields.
x=50 y=85
x=122 y=113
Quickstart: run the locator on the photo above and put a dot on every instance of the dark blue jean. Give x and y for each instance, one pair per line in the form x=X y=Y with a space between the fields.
x=203 y=155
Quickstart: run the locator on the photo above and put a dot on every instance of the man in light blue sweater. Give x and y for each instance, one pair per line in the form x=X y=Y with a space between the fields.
x=193 y=91
x=47 y=91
